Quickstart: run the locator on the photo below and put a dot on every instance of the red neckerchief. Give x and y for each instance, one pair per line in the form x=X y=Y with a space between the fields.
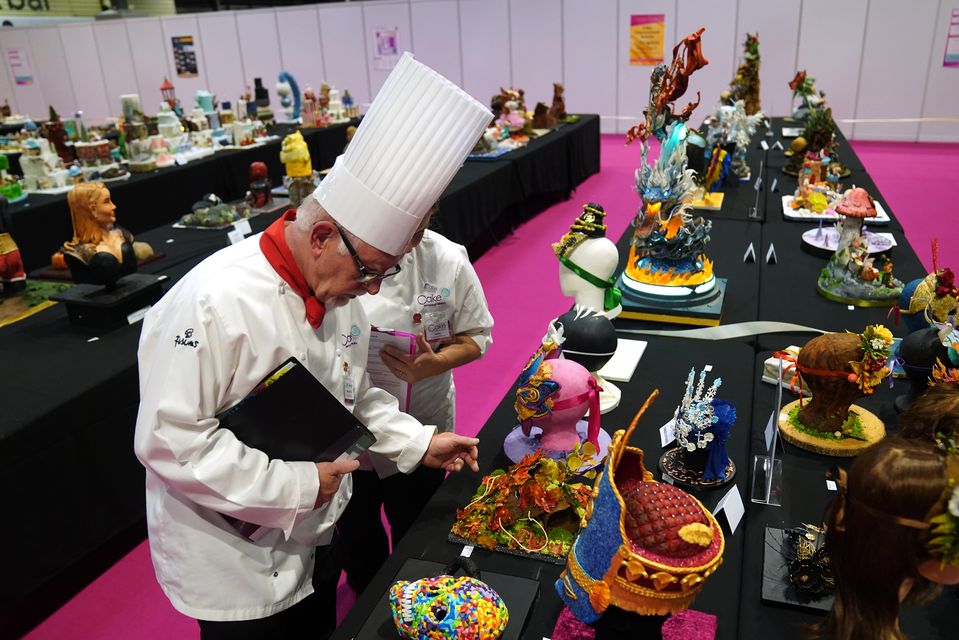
x=273 y=246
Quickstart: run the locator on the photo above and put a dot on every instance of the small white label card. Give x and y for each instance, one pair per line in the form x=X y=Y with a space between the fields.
x=243 y=226
x=234 y=236
x=775 y=184
x=771 y=255
x=138 y=315
x=667 y=433
x=732 y=504
x=467 y=551
x=831 y=485
x=777 y=145
x=759 y=183
x=750 y=255
x=764 y=145
x=668 y=479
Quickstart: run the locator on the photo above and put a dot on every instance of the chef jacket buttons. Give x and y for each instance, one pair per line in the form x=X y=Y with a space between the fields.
x=276 y=573
x=409 y=259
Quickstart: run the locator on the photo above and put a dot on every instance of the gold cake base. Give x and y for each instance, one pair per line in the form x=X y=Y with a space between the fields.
x=712 y=201
x=872 y=427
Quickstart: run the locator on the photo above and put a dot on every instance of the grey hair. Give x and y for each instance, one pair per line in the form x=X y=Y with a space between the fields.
x=310 y=212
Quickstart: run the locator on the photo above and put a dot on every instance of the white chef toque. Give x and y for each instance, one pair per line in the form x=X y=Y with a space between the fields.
x=411 y=143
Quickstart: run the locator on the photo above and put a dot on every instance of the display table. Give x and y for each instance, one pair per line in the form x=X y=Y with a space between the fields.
x=67 y=468
x=784 y=291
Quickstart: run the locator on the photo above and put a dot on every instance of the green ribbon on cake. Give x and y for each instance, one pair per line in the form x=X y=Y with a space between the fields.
x=612 y=297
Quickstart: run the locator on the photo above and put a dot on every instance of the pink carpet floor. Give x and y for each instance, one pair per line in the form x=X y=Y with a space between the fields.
x=523 y=292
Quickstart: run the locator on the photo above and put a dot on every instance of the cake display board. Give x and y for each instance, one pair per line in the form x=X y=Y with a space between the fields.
x=97 y=307
x=873 y=429
x=517 y=445
x=805 y=215
x=703 y=312
x=776 y=588
x=517 y=593
x=826 y=240
x=675 y=471
x=622 y=365
x=712 y=201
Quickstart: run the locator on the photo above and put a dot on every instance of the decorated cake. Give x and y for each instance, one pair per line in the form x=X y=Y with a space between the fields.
x=645 y=546
x=553 y=396
x=819 y=137
x=588 y=260
x=853 y=276
x=838 y=368
x=667 y=273
x=745 y=84
x=212 y=213
x=532 y=508
x=702 y=423
x=458 y=608
x=295 y=155
x=731 y=126
x=931 y=299
x=43 y=169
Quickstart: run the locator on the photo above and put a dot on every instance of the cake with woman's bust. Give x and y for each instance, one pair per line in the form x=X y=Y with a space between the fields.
x=100 y=252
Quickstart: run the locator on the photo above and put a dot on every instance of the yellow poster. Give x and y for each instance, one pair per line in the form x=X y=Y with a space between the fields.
x=647 y=36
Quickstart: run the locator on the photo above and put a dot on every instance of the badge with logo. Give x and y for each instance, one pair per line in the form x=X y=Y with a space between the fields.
x=432 y=296
x=436 y=326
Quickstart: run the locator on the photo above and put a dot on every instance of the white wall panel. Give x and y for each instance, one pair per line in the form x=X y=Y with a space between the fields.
x=777 y=24
x=151 y=59
x=119 y=76
x=720 y=46
x=833 y=62
x=28 y=98
x=634 y=80
x=537 y=60
x=50 y=66
x=301 y=52
x=223 y=58
x=386 y=15
x=589 y=72
x=942 y=86
x=344 y=50
x=895 y=67
x=436 y=36
x=6 y=80
x=185 y=87
x=86 y=71
x=260 y=46
x=484 y=32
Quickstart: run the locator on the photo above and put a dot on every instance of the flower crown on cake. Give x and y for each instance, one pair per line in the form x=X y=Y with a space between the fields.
x=696 y=413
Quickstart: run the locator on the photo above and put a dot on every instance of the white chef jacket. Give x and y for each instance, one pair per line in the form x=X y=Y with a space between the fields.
x=203 y=347
x=436 y=277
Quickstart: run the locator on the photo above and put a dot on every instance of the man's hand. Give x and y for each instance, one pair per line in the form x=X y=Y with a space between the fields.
x=450 y=451
x=425 y=363
x=330 y=475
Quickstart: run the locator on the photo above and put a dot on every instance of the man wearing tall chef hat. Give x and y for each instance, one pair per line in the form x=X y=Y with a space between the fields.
x=246 y=309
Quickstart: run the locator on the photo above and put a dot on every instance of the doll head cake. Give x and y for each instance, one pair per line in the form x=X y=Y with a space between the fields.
x=100 y=252
x=554 y=394
x=702 y=423
x=901 y=496
x=645 y=546
x=853 y=276
x=932 y=299
x=838 y=368
x=458 y=608
x=589 y=338
x=667 y=266
x=588 y=260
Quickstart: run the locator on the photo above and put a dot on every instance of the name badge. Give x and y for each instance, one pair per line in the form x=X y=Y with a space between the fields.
x=349 y=391
x=436 y=327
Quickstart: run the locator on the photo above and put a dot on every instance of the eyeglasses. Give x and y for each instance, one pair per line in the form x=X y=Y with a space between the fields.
x=366 y=275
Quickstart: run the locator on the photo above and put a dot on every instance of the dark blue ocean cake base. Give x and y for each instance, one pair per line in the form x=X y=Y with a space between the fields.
x=704 y=310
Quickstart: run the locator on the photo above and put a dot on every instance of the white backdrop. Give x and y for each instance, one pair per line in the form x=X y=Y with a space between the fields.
x=875 y=59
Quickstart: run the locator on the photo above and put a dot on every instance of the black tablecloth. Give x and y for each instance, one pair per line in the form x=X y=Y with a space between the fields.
x=784 y=291
x=68 y=475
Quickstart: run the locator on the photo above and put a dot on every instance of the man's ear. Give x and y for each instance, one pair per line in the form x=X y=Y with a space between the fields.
x=935 y=571
x=321 y=235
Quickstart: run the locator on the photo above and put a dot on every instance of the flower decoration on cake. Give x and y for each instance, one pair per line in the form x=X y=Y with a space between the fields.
x=870 y=371
x=646 y=546
x=535 y=395
x=944 y=527
x=534 y=507
x=458 y=608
